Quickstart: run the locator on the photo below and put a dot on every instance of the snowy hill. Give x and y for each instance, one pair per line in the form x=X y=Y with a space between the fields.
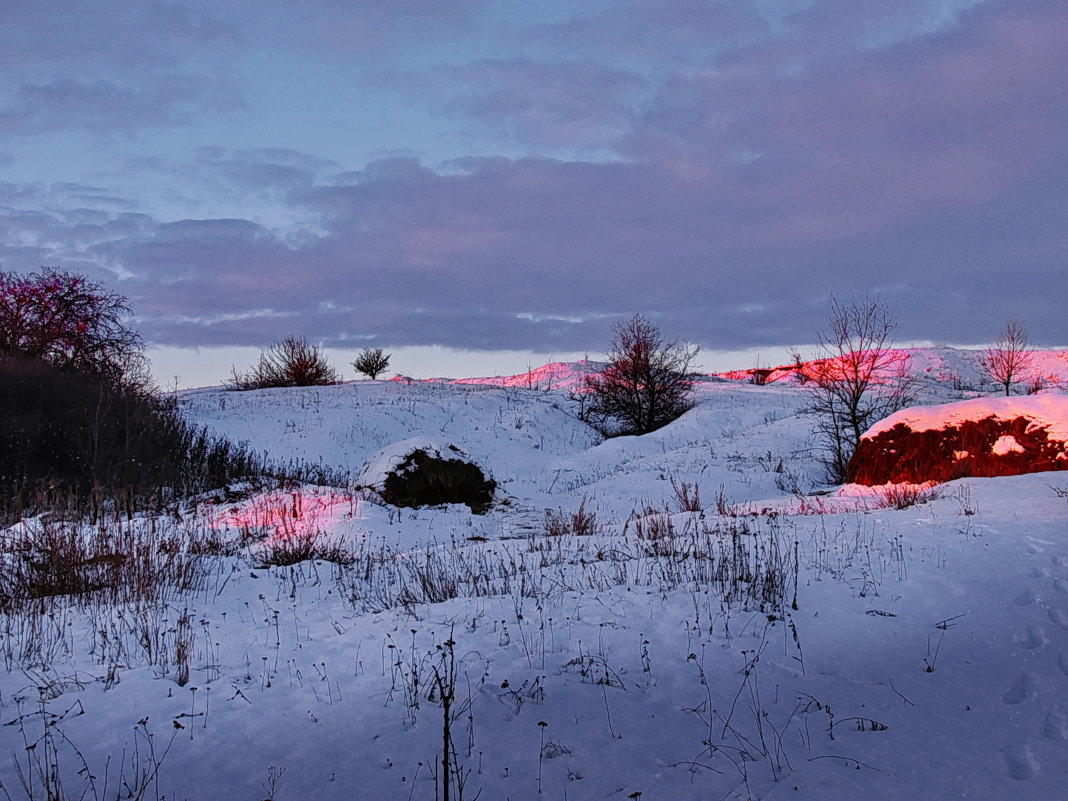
x=953 y=367
x=664 y=617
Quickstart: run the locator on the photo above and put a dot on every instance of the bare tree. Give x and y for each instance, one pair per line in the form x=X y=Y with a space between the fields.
x=291 y=362
x=1011 y=357
x=858 y=380
x=371 y=362
x=647 y=383
x=68 y=321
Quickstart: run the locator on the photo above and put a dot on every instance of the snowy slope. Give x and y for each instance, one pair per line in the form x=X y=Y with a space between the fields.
x=954 y=368
x=927 y=656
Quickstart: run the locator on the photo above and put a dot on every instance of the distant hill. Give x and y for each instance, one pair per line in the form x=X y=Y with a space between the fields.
x=954 y=366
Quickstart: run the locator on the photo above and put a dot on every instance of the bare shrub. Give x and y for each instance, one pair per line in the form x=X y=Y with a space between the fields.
x=371 y=362
x=302 y=546
x=687 y=496
x=860 y=380
x=1035 y=385
x=652 y=526
x=291 y=362
x=115 y=563
x=646 y=385
x=582 y=522
x=1011 y=357
x=68 y=321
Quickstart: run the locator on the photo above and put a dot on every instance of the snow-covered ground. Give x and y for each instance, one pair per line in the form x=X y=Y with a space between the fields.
x=770 y=645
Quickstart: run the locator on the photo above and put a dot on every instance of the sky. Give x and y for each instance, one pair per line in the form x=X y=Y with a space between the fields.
x=477 y=184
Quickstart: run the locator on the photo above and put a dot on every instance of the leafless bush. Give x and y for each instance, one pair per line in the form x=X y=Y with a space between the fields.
x=860 y=380
x=301 y=547
x=582 y=522
x=646 y=384
x=68 y=321
x=1035 y=385
x=1010 y=358
x=655 y=529
x=291 y=362
x=687 y=496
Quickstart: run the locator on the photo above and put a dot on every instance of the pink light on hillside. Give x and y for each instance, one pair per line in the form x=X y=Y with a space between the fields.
x=283 y=515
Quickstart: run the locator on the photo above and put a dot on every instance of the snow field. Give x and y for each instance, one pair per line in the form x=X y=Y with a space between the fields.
x=927 y=656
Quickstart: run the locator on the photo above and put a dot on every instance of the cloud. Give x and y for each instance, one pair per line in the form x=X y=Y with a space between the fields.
x=798 y=155
x=551 y=105
x=106 y=107
x=667 y=35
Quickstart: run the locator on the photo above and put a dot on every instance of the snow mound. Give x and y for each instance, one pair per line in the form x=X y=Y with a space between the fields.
x=421 y=471
x=555 y=375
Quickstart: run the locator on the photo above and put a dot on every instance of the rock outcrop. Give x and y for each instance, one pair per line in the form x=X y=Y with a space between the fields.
x=980 y=437
x=422 y=472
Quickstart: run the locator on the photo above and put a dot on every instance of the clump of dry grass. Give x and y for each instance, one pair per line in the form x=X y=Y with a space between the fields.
x=902 y=496
x=582 y=522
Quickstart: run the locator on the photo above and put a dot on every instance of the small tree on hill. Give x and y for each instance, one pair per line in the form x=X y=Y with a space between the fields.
x=646 y=385
x=291 y=362
x=1011 y=357
x=859 y=380
x=67 y=321
x=371 y=362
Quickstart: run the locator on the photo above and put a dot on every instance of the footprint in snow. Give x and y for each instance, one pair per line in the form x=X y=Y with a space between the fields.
x=1036 y=637
x=1058 y=617
x=1039 y=572
x=1060 y=561
x=1021 y=762
x=1025 y=598
x=1059 y=585
x=1055 y=727
x=1062 y=663
x=1021 y=689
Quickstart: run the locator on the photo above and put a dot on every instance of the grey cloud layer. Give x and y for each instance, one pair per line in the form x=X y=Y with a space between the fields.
x=919 y=152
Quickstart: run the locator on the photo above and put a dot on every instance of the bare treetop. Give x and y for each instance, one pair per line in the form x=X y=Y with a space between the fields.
x=646 y=384
x=1011 y=358
x=860 y=380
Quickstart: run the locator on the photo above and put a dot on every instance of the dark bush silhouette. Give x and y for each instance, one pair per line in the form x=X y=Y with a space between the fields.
x=82 y=429
x=371 y=362
x=647 y=383
x=426 y=480
x=76 y=441
x=291 y=362
x=66 y=320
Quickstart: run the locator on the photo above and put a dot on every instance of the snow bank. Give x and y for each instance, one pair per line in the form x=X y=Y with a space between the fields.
x=1048 y=409
x=391 y=459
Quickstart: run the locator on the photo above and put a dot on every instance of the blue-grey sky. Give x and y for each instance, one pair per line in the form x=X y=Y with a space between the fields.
x=438 y=177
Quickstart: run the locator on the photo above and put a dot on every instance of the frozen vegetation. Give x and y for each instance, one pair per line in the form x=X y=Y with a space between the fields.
x=688 y=614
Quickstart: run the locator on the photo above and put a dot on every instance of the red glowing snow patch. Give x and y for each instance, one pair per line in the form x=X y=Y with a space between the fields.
x=281 y=515
x=981 y=437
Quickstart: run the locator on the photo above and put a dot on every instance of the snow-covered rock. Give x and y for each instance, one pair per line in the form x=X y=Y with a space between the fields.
x=981 y=437
x=422 y=471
